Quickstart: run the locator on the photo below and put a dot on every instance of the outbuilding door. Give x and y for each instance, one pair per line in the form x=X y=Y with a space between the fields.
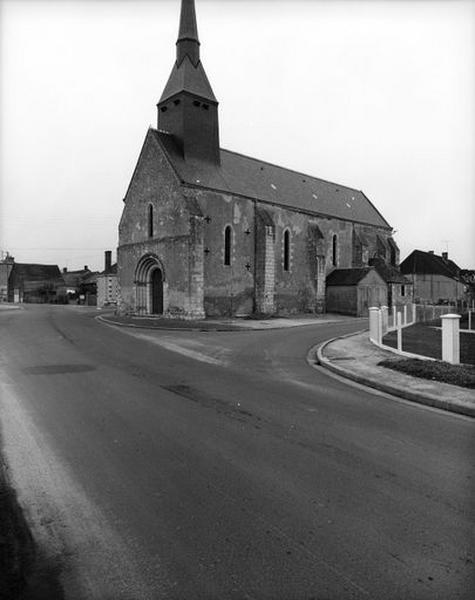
x=157 y=292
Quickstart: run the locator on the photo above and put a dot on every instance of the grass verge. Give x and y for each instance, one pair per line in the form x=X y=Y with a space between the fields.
x=461 y=375
x=427 y=340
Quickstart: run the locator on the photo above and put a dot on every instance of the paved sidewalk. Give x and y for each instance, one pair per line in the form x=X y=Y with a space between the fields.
x=225 y=324
x=356 y=358
x=9 y=306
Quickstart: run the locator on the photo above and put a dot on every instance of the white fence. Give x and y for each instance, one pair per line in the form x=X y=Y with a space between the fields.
x=382 y=321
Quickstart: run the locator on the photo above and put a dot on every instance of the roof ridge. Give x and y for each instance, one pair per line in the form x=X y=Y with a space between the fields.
x=291 y=170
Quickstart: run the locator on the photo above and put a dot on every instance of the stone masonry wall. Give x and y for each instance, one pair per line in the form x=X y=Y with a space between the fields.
x=228 y=289
x=175 y=240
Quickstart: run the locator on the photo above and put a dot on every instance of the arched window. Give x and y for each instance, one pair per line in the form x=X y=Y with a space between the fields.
x=286 y=250
x=150 y=220
x=334 y=250
x=227 y=245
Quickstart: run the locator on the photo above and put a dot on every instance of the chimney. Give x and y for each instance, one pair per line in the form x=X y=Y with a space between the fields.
x=65 y=269
x=445 y=256
x=107 y=260
x=85 y=268
x=430 y=252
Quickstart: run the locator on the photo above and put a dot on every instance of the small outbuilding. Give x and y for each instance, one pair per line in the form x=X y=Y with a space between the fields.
x=353 y=291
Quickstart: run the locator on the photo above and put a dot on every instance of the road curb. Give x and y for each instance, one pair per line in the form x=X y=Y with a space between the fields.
x=219 y=328
x=161 y=327
x=316 y=352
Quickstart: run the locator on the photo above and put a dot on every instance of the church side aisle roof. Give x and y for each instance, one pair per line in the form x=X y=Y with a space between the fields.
x=256 y=179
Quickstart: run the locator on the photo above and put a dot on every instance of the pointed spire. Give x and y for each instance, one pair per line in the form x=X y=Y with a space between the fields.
x=188 y=109
x=188 y=43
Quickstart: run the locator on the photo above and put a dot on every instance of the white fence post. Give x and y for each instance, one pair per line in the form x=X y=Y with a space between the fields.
x=399 y=331
x=384 y=320
x=394 y=316
x=414 y=314
x=405 y=314
x=451 y=338
x=374 y=325
x=469 y=319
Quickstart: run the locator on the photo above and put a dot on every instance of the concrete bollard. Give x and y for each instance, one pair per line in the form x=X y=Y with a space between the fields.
x=451 y=338
x=374 y=324
x=384 y=320
x=399 y=331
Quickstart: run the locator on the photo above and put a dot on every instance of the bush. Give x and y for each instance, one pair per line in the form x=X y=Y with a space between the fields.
x=462 y=375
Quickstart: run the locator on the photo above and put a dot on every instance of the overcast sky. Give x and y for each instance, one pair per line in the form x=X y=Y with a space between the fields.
x=377 y=95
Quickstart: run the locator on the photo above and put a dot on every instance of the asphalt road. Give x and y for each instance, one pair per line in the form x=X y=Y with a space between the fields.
x=184 y=465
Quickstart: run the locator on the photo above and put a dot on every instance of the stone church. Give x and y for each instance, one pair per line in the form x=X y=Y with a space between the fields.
x=207 y=231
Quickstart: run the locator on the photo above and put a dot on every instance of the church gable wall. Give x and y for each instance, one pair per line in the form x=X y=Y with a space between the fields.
x=153 y=184
x=158 y=220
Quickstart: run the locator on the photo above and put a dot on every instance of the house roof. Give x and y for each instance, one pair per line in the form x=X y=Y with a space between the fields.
x=35 y=272
x=74 y=278
x=421 y=262
x=347 y=276
x=111 y=271
x=90 y=278
x=253 y=178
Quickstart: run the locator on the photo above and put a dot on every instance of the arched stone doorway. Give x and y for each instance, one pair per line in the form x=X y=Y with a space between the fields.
x=150 y=286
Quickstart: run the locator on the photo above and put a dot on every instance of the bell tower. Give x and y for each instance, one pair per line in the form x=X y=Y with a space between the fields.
x=188 y=109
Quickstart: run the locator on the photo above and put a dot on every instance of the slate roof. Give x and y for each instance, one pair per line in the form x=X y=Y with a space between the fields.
x=187 y=78
x=421 y=262
x=91 y=278
x=253 y=178
x=35 y=272
x=75 y=278
x=347 y=276
x=111 y=271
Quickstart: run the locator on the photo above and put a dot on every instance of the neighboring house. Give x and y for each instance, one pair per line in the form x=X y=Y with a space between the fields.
x=468 y=278
x=399 y=287
x=6 y=265
x=74 y=284
x=88 y=289
x=353 y=291
x=26 y=282
x=436 y=279
x=207 y=231
x=107 y=286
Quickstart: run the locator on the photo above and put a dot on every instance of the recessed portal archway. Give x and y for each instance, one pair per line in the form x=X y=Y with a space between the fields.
x=150 y=285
